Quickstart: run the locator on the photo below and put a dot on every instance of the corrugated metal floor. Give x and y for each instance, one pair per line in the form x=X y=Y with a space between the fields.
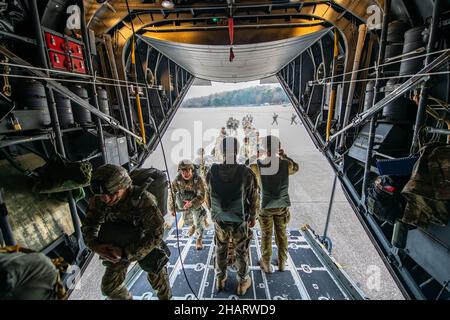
x=306 y=277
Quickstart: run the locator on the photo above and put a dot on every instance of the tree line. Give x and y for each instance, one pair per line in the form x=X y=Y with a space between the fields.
x=257 y=95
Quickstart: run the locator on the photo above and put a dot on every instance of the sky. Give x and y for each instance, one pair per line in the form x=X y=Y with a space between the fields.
x=216 y=87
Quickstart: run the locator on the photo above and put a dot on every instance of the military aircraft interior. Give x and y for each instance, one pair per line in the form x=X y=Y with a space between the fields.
x=91 y=82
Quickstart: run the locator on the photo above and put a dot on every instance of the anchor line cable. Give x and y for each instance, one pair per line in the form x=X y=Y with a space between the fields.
x=39 y=78
x=396 y=61
x=165 y=163
x=147 y=87
x=9 y=75
x=391 y=77
x=115 y=81
x=71 y=74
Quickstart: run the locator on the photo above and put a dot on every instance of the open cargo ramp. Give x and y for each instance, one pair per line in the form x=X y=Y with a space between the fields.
x=311 y=273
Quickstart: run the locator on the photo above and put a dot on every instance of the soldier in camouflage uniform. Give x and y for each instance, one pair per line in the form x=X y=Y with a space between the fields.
x=273 y=174
x=189 y=192
x=232 y=198
x=123 y=224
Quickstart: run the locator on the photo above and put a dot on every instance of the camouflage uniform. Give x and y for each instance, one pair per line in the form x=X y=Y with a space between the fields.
x=232 y=225
x=136 y=225
x=428 y=191
x=191 y=190
x=274 y=219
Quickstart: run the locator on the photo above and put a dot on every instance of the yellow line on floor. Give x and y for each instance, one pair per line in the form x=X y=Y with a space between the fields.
x=180 y=223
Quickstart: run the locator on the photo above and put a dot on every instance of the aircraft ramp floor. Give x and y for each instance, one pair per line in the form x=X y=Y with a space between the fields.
x=311 y=273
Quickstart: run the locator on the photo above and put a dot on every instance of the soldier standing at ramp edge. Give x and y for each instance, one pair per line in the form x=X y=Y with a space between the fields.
x=273 y=173
x=232 y=198
x=123 y=224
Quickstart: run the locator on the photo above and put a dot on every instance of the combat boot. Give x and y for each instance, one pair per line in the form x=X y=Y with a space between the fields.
x=191 y=231
x=243 y=286
x=199 y=244
x=266 y=267
x=281 y=265
x=220 y=284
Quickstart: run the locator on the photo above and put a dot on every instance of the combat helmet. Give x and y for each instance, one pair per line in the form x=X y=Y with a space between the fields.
x=109 y=178
x=185 y=164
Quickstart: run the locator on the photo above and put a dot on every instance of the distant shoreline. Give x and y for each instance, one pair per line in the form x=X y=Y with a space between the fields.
x=261 y=95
